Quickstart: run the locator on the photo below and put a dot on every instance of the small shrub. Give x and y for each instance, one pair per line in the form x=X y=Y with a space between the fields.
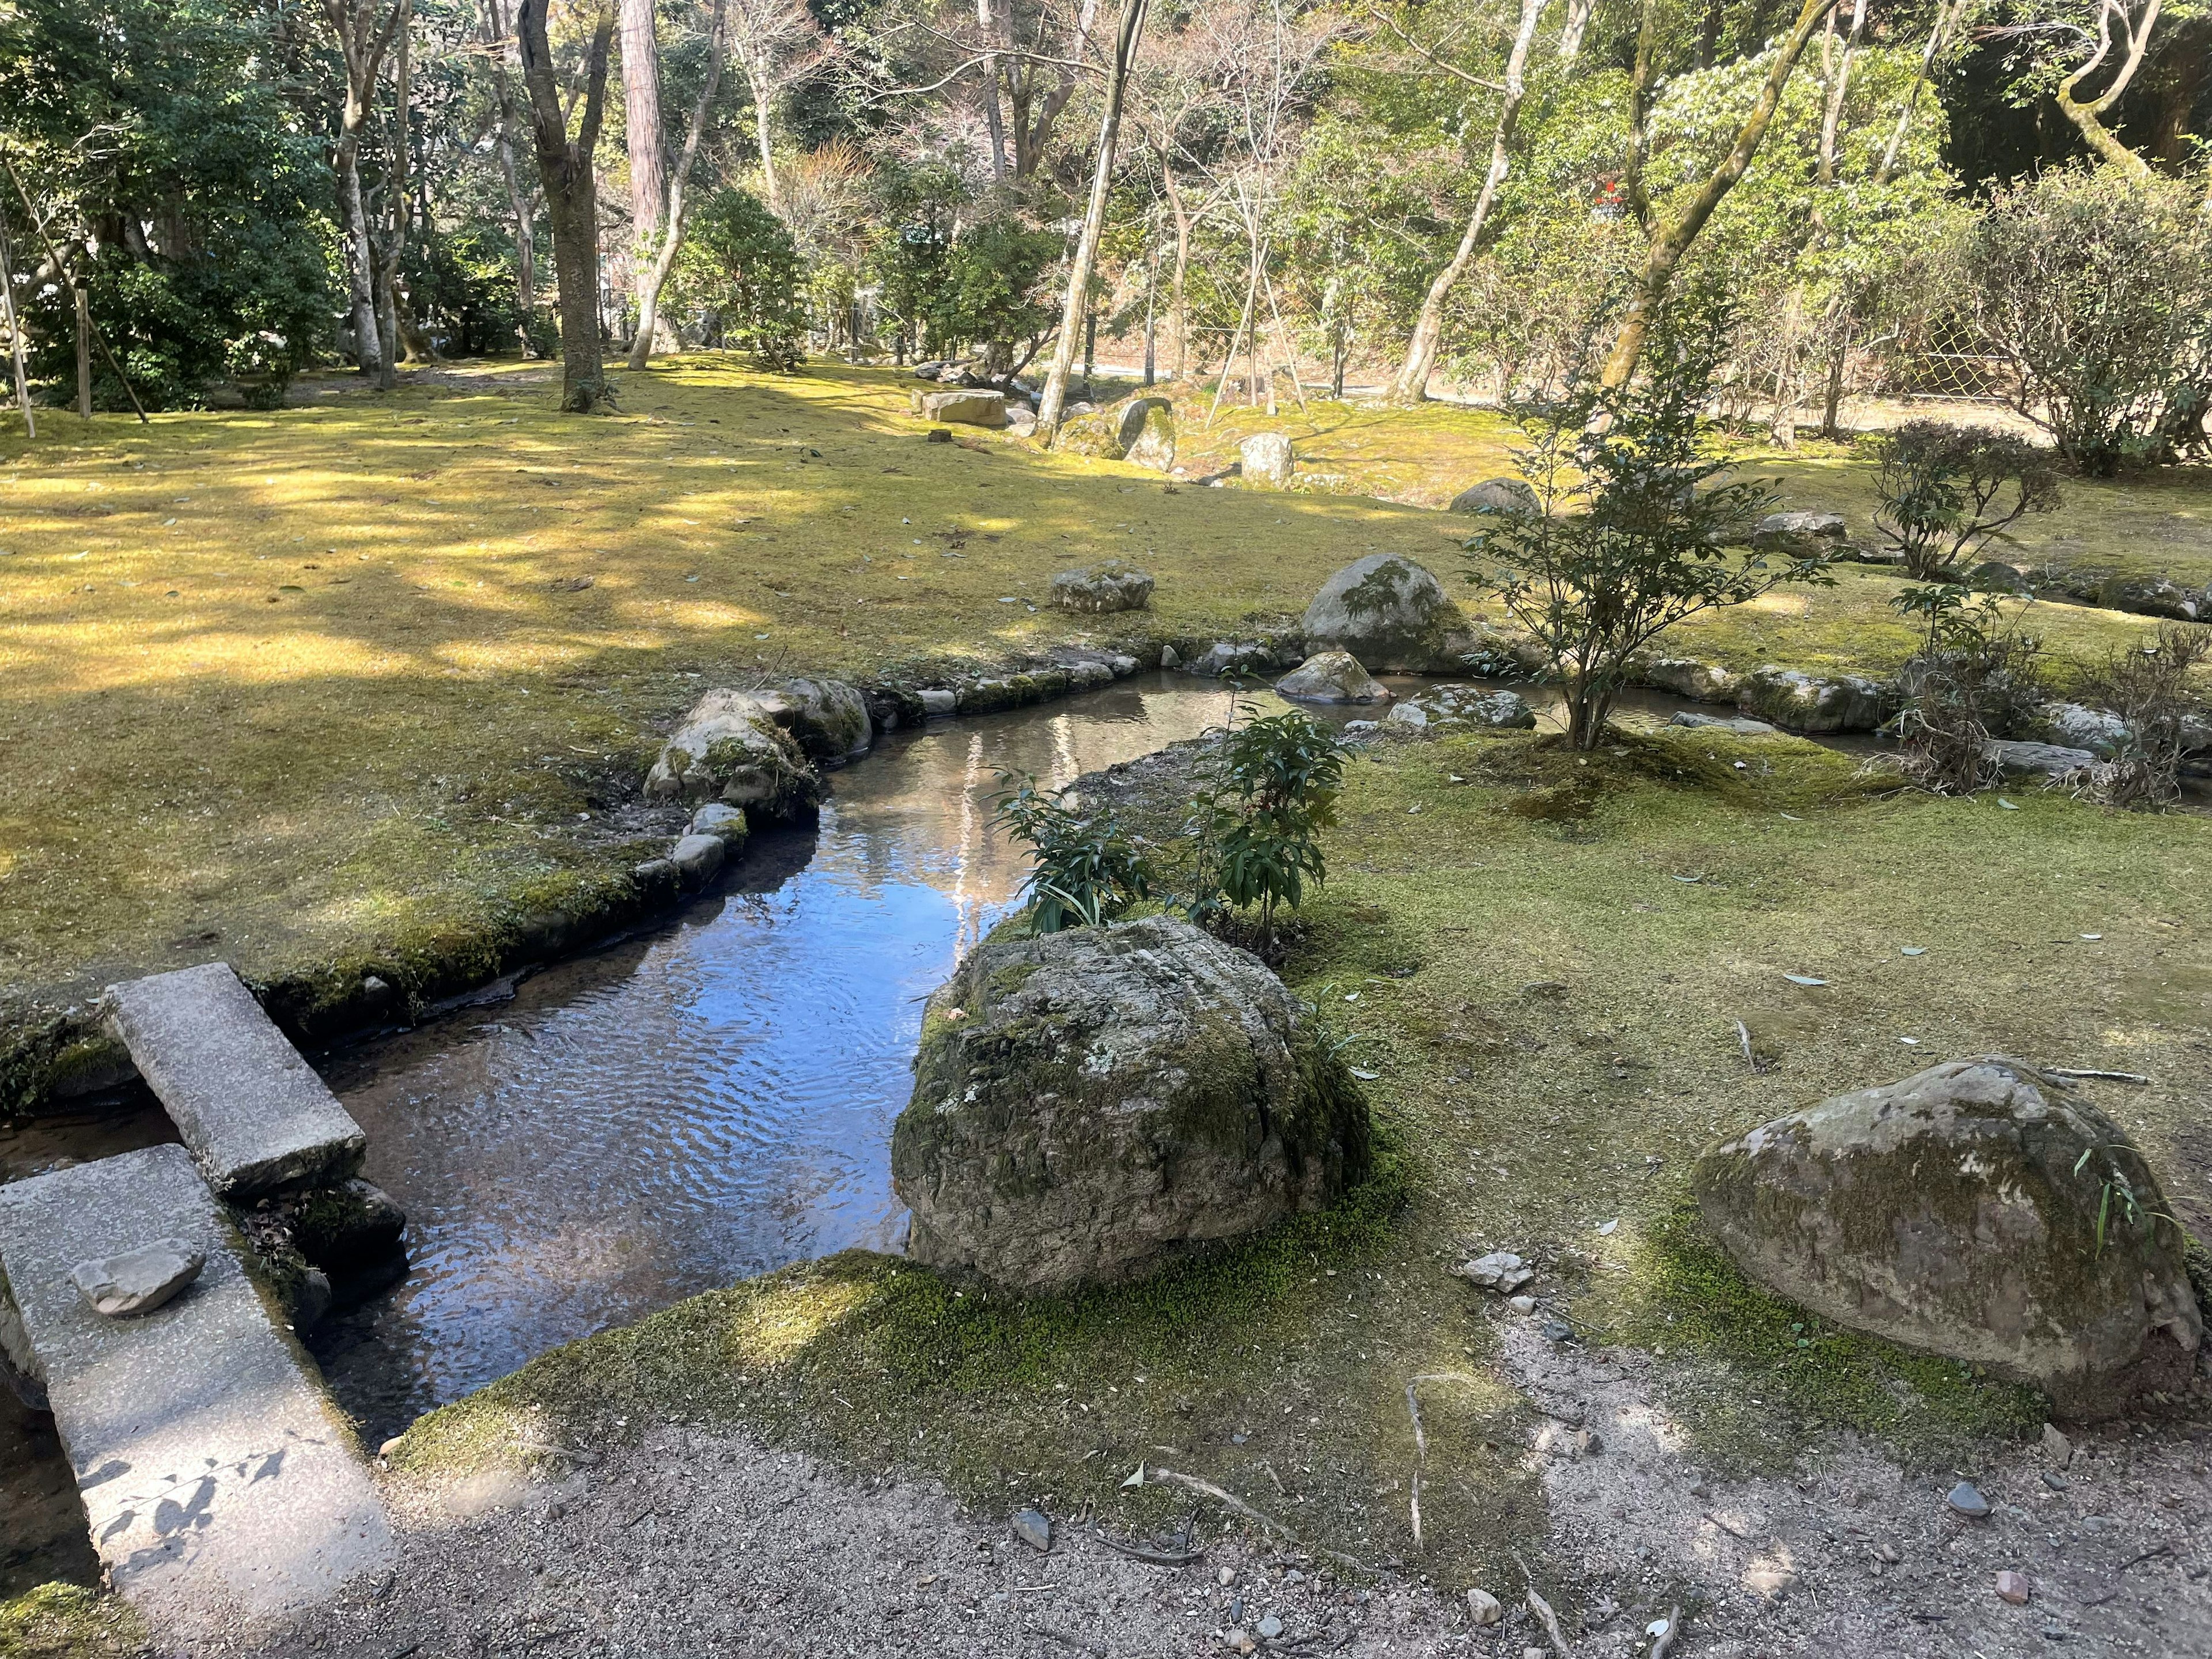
x=1636 y=517
x=2149 y=689
x=1946 y=490
x=1972 y=679
x=1273 y=790
x=2095 y=290
x=1084 y=870
x=740 y=264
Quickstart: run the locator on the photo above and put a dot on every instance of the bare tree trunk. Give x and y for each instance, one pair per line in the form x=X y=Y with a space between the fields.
x=1094 y=221
x=641 y=126
x=1572 y=32
x=395 y=235
x=83 y=351
x=2087 y=118
x=518 y=199
x=571 y=198
x=1671 y=240
x=1178 y=312
x=1410 y=383
x=14 y=334
x=986 y=22
x=361 y=257
x=654 y=277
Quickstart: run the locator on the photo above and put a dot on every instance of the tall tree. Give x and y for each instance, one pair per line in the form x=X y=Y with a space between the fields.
x=1410 y=385
x=365 y=32
x=778 y=44
x=501 y=47
x=1094 y=221
x=642 y=125
x=657 y=256
x=1670 y=236
x=565 y=167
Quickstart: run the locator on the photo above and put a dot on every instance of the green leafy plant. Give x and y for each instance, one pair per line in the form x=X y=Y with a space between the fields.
x=1946 y=490
x=1272 y=791
x=1635 y=516
x=740 y=265
x=2116 y=1198
x=1084 y=870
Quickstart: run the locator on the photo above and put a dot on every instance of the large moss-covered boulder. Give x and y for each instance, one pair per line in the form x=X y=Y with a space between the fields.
x=1147 y=433
x=1390 y=613
x=732 y=748
x=1089 y=1104
x=1812 y=703
x=827 y=719
x=1957 y=1211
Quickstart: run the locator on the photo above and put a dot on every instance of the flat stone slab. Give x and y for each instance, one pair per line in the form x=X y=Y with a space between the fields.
x=254 y=1113
x=221 y=1484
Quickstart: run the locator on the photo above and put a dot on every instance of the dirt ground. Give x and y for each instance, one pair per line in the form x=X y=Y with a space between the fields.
x=689 y=1542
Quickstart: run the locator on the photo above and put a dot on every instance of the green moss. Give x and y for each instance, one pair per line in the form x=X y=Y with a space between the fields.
x=1757 y=1379
x=68 y=1621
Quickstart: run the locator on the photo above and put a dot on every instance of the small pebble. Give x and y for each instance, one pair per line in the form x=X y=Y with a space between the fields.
x=1033 y=1528
x=1483 y=1608
x=1270 y=1628
x=1225 y=1578
x=1558 y=1330
x=2012 y=1588
x=1521 y=1305
x=1965 y=1500
x=1889 y=1552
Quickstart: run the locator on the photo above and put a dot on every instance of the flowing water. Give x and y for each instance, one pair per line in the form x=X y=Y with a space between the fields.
x=706 y=1101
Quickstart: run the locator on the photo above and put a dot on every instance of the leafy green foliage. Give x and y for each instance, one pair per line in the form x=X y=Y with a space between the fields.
x=1273 y=790
x=200 y=213
x=2095 y=290
x=1635 y=514
x=2154 y=694
x=985 y=289
x=1945 y=491
x=1084 y=870
x=740 y=264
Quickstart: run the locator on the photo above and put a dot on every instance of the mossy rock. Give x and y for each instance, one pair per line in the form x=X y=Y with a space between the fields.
x=1092 y=1104
x=1981 y=1210
x=1392 y=614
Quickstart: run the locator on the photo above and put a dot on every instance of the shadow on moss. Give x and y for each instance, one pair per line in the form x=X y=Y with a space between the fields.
x=1755 y=1375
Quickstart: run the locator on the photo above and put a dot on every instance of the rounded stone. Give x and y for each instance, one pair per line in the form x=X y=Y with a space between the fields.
x=1511 y=496
x=1109 y=1098
x=1390 y=613
x=1958 y=1212
x=1332 y=677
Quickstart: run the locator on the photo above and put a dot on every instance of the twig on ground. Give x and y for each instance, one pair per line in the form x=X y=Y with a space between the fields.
x=2095 y=1076
x=2133 y=1560
x=1550 y=1621
x=1744 y=1538
x=1743 y=1036
x=1151 y=1558
x=1083 y=1642
x=1664 y=1643
x=1421 y=1436
x=1205 y=1488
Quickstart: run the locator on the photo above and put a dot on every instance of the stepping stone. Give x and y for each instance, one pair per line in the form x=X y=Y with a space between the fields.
x=221 y=1484
x=254 y=1113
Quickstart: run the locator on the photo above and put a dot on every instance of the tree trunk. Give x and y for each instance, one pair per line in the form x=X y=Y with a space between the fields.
x=987 y=23
x=518 y=199
x=14 y=335
x=1671 y=240
x=395 y=235
x=2088 y=117
x=565 y=167
x=84 y=352
x=1094 y=221
x=764 y=128
x=653 y=275
x=1178 y=313
x=1410 y=383
x=641 y=65
x=361 y=257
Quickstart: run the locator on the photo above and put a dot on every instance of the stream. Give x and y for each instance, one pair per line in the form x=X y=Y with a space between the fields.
x=704 y=1101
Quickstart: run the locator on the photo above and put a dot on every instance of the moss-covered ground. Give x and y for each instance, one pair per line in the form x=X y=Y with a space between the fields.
x=1543 y=962
x=347 y=687
x=68 y=1621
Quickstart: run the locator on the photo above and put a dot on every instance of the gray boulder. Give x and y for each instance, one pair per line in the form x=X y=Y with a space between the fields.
x=1092 y=1104
x=1265 y=458
x=969 y=406
x=697 y=858
x=1021 y=420
x=1798 y=702
x=1101 y=588
x=1956 y=1211
x=1331 y=677
x=828 y=718
x=731 y=748
x=343 y=1227
x=1511 y=496
x=1391 y=614
x=1700 y=682
x=2014 y=757
x=138 y=1281
x=1741 y=726
x=1799 y=533
x=727 y=823
x=1461 y=707
x=1230 y=657
x=2152 y=596
x=2076 y=725
x=1147 y=433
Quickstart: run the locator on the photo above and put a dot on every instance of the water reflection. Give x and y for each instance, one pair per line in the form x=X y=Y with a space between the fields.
x=711 y=1101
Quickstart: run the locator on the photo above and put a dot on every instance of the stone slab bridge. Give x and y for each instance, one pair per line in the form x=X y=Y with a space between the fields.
x=221 y=1485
